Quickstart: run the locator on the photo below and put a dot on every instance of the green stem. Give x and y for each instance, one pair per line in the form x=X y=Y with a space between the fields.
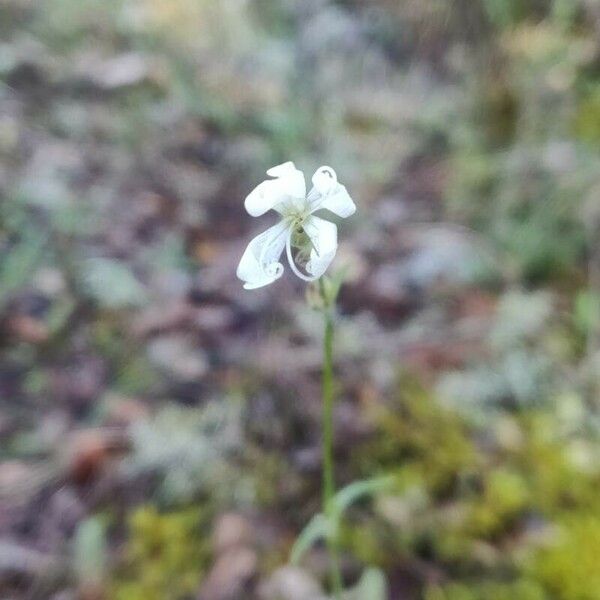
x=328 y=477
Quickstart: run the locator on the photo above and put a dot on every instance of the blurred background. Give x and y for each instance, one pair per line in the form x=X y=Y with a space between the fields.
x=159 y=425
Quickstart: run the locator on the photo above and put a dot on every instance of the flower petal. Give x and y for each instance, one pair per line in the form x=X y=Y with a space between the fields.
x=286 y=168
x=323 y=236
x=260 y=264
x=339 y=202
x=332 y=195
x=325 y=180
x=288 y=186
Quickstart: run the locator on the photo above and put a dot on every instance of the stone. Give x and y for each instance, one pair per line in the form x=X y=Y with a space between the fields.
x=232 y=530
x=291 y=583
x=231 y=576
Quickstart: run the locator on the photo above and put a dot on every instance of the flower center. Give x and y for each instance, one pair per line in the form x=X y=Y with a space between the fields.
x=295 y=219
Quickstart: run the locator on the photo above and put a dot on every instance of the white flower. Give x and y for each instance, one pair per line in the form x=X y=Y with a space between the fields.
x=313 y=237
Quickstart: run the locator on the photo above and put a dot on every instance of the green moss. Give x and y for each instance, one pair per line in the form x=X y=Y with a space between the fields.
x=499 y=111
x=505 y=495
x=520 y=590
x=556 y=483
x=415 y=430
x=133 y=372
x=369 y=544
x=586 y=125
x=165 y=556
x=430 y=452
x=465 y=506
x=569 y=568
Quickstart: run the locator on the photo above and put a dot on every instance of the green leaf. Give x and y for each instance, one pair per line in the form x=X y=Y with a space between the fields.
x=19 y=262
x=586 y=311
x=112 y=284
x=318 y=528
x=90 y=550
x=372 y=586
x=352 y=492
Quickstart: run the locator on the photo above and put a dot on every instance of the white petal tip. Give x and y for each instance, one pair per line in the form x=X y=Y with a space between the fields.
x=324 y=179
x=254 y=203
x=282 y=169
x=256 y=285
x=349 y=212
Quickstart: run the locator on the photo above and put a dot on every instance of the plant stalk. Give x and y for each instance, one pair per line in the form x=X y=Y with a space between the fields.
x=328 y=472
